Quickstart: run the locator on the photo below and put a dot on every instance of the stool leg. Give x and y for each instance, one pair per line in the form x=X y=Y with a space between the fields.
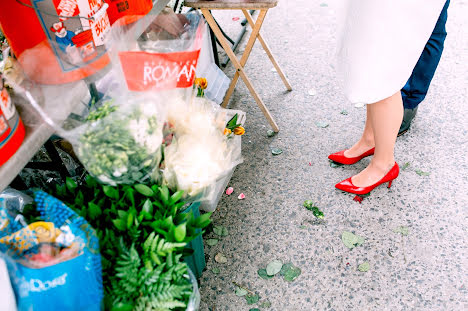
x=268 y=51
x=240 y=68
x=245 y=56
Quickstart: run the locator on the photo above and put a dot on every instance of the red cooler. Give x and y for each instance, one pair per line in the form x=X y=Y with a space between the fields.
x=42 y=35
x=128 y=11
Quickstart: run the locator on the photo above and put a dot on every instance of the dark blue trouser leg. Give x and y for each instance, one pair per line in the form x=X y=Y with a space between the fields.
x=417 y=86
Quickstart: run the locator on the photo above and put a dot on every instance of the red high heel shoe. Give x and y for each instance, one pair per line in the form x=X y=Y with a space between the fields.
x=341 y=158
x=347 y=184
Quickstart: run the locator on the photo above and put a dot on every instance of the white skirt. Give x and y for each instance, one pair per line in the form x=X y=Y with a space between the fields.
x=381 y=43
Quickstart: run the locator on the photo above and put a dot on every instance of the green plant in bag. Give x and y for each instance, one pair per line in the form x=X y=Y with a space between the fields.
x=119 y=148
x=147 y=218
x=158 y=280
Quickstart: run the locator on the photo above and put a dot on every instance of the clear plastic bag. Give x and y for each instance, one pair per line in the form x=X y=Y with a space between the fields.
x=200 y=153
x=195 y=298
x=120 y=142
x=51 y=254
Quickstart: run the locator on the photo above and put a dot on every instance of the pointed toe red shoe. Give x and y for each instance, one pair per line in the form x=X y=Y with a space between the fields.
x=341 y=158
x=347 y=184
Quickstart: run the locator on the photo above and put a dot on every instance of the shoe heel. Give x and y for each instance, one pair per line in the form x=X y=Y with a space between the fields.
x=389 y=184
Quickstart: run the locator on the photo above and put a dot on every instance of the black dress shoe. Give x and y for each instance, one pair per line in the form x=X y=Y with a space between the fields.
x=408 y=116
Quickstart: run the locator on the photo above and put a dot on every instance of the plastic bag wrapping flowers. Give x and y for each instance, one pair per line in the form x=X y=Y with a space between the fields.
x=52 y=254
x=123 y=145
x=200 y=153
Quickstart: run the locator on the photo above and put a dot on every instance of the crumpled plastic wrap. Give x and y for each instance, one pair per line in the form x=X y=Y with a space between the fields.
x=124 y=146
x=200 y=153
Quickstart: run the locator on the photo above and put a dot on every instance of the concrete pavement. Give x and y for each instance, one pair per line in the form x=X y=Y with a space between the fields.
x=425 y=270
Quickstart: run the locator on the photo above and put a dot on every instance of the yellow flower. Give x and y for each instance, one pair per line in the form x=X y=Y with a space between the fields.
x=227 y=131
x=239 y=130
x=201 y=83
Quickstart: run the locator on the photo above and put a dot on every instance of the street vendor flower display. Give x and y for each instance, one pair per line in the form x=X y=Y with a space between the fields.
x=123 y=145
x=199 y=153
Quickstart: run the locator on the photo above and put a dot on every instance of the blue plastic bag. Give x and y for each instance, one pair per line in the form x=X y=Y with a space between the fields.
x=53 y=260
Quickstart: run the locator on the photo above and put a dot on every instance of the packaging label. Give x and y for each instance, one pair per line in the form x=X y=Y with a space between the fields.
x=158 y=71
x=66 y=31
x=148 y=71
x=71 y=285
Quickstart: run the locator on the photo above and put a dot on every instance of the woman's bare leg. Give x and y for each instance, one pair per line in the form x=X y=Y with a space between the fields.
x=385 y=118
x=366 y=142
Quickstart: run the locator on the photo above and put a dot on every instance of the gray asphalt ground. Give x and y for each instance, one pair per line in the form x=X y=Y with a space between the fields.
x=425 y=270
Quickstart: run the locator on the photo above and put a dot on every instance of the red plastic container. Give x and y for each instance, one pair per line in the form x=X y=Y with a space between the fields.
x=11 y=128
x=41 y=32
x=128 y=11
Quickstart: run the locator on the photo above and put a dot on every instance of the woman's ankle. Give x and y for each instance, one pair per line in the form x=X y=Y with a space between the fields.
x=367 y=141
x=383 y=165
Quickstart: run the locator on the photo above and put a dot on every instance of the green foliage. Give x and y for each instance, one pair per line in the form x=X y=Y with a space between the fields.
x=351 y=240
x=232 y=124
x=309 y=205
x=144 y=284
x=140 y=230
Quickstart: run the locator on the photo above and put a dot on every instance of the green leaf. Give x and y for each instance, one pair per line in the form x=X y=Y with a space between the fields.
x=203 y=221
x=119 y=224
x=422 y=173
x=221 y=231
x=252 y=299
x=274 y=267
x=254 y=309
x=94 y=211
x=111 y=192
x=122 y=307
x=405 y=166
x=314 y=209
x=180 y=232
x=212 y=242
x=177 y=196
x=351 y=240
x=144 y=190
x=215 y=270
x=148 y=207
x=271 y=133
x=364 y=267
x=129 y=220
x=233 y=122
x=322 y=124
x=71 y=184
x=286 y=267
x=164 y=195
x=263 y=274
x=90 y=181
x=130 y=196
x=403 y=230
x=79 y=199
x=291 y=273
x=265 y=304
x=122 y=215
x=241 y=292
x=276 y=151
